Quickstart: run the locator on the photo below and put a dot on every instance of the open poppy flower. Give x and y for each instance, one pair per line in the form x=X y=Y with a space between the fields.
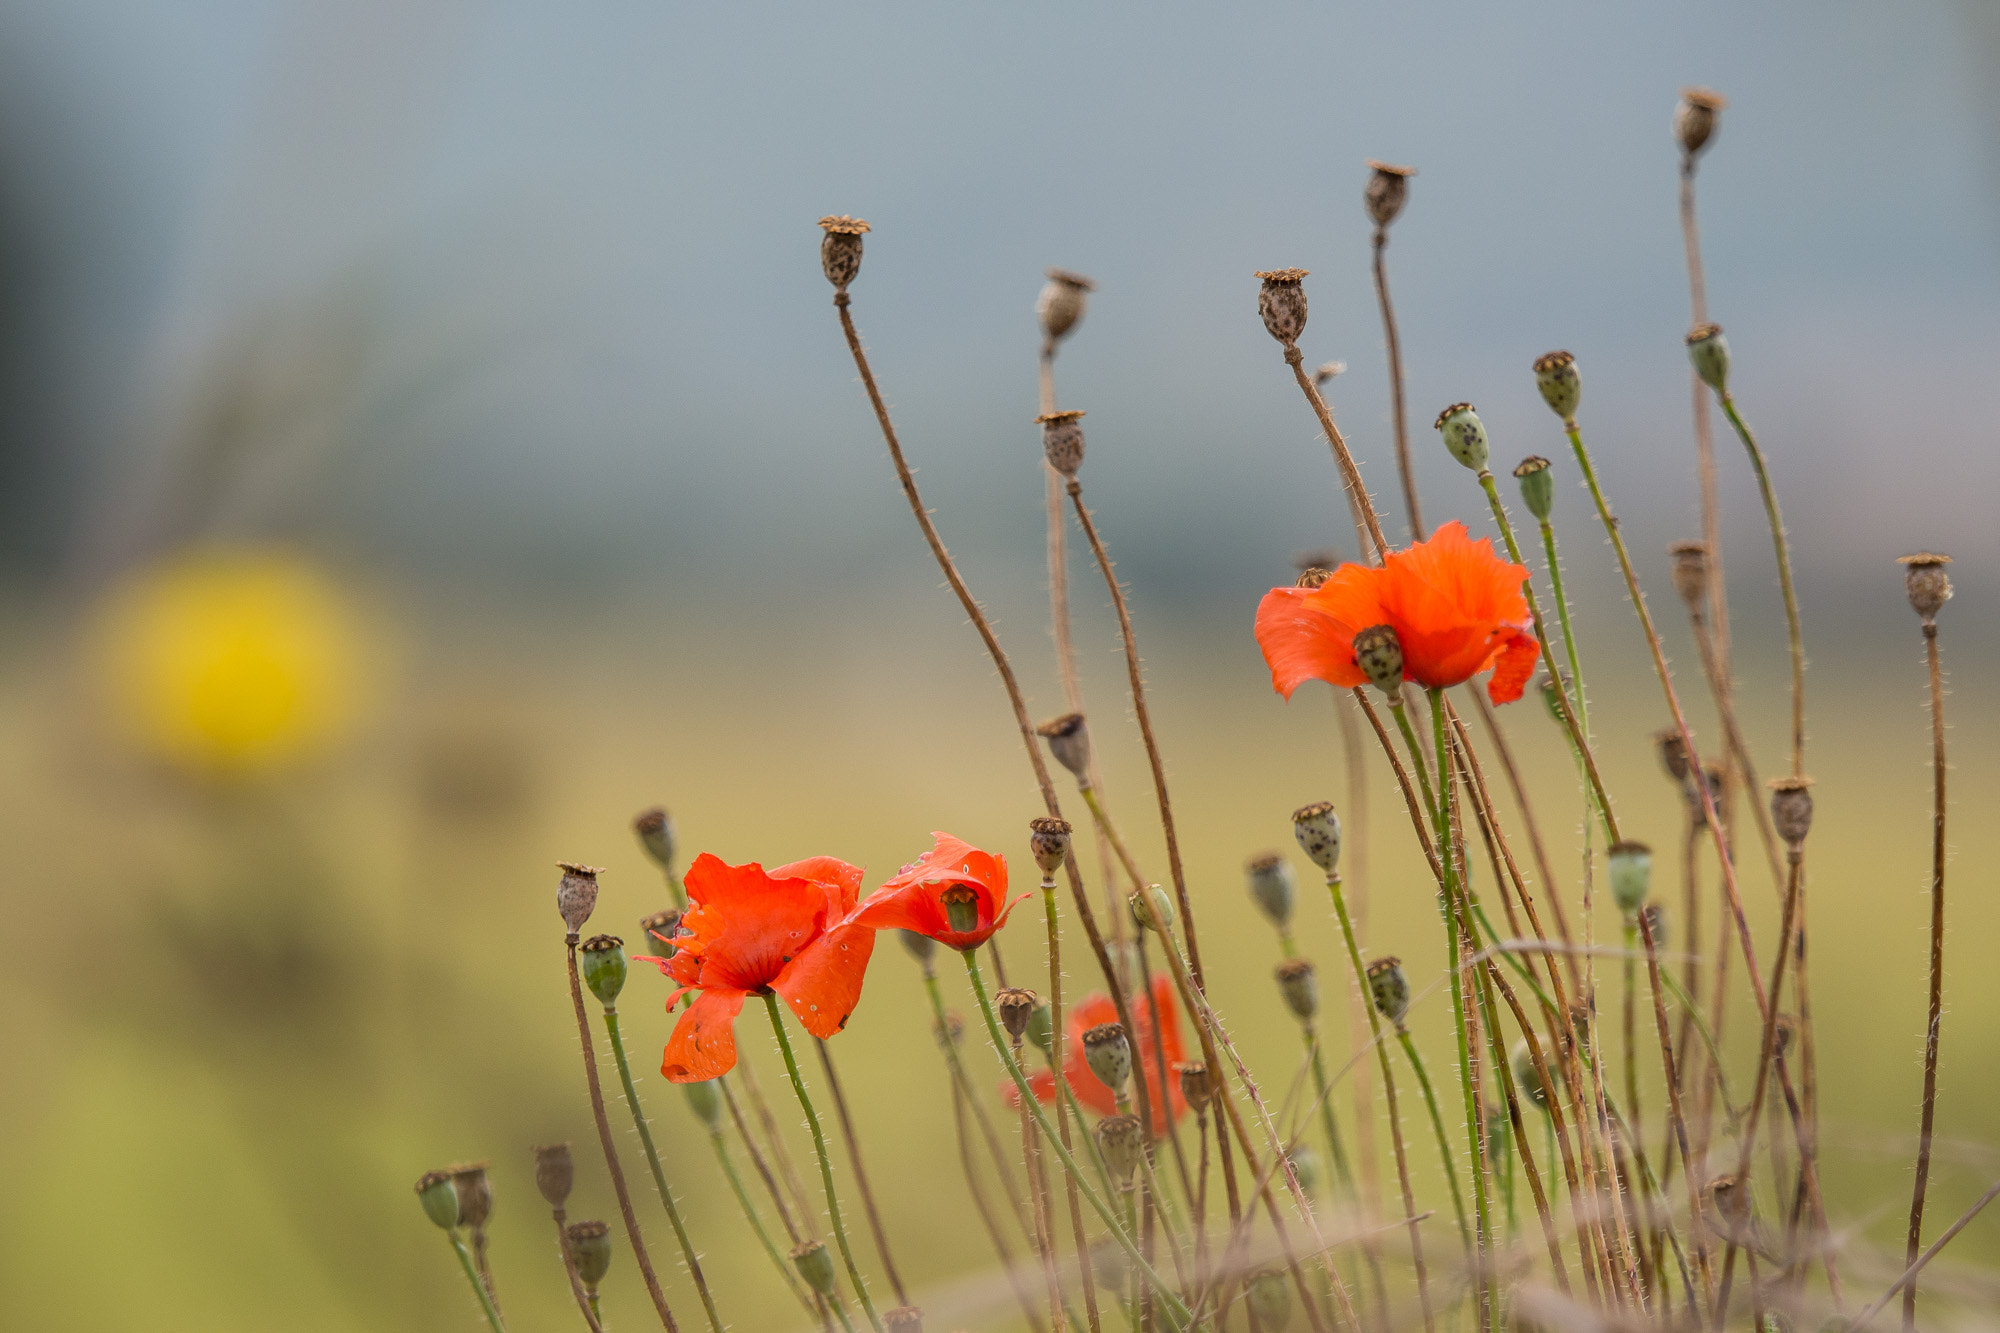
x=747 y=932
x=955 y=894
x=1456 y=607
x=1090 y=1090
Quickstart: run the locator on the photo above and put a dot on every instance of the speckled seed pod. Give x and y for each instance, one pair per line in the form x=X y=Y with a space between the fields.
x=475 y=1193
x=1629 y=865
x=1272 y=888
x=1465 y=435
x=439 y=1198
x=1282 y=303
x=1062 y=440
x=555 y=1172
x=1016 y=1004
x=1708 y=353
x=1526 y=1079
x=1389 y=988
x=1196 y=1086
x=1069 y=742
x=1048 y=839
x=815 y=1265
x=576 y=894
x=1538 y=486
x=1673 y=752
x=1269 y=1296
x=1387 y=190
x=1123 y=1143
x=604 y=967
x=655 y=828
x=1654 y=915
x=1312 y=576
x=704 y=1102
x=1695 y=118
x=1378 y=651
x=1317 y=829
x=904 y=1319
x=1298 y=982
x=1691 y=573
x=1562 y=387
x=590 y=1251
x=840 y=249
x=1151 y=908
x=1792 y=809
x=1062 y=303
x=1109 y=1053
x=1925 y=580
x=656 y=932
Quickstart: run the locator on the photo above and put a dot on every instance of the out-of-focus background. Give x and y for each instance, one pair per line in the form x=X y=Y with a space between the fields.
x=428 y=441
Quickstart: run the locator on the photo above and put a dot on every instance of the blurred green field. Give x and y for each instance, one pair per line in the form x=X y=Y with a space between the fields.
x=237 y=1021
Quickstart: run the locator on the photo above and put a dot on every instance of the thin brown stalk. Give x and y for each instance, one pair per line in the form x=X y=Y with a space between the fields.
x=1038 y=1203
x=1029 y=1310
x=1923 y=1169
x=1059 y=1033
x=757 y=1158
x=1909 y=1277
x=1403 y=470
x=610 y=1146
x=1357 y=490
x=1519 y=790
x=1355 y=862
x=860 y=1170
x=776 y=1139
x=569 y=1269
x=1160 y=1063
x=1676 y=1120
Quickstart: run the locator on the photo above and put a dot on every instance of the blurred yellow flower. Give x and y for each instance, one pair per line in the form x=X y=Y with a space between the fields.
x=233 y=661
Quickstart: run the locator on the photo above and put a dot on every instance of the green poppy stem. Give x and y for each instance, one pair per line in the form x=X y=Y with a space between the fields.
x=1437 y=1127
x=478 y=1287
x=776 y=1256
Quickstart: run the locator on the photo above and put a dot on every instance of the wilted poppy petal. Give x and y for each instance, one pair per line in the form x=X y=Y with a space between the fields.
x=703 y=1045
x=1302 y=643
x=840 y=881
x=1512 y=668
x=823 y=984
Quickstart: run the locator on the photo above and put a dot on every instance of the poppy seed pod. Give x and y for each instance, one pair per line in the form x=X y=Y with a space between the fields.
x=439 y=1198
x=1653 y=918
x=1562 y=387
x=590 y=1251
x=951 y=1032
x=1062 y=303
x=840 y=249
x=475 y=1193
x=1108 y=1264
x=1272 y=887
x=1708 y=353
x=1630 y=868
x=1312 y=576
x=1388 y=189
x=1925 y=580
x=815 y=1265
x=1041 y=1029
x=1069 y=742
x=1712 y=777
x=1690 y=573
x=1048 y=839
x=961 y=908
x=1305 y=1165
x=1729 y=1207
x=1673 y=753
x=1269 y=1297
x=1552 y=699
x=1282 y=303
x=918 y=945
x=904 y=1319
x=604 y=967
x=1109 y=1053
x=1792 y=809
x=1317 y=828
x=1016 y=1004
x=1378 y=651
x=1298 y=982
x=1538 y=486
x=1328 y=370
x=655 y=828
x=1389 y=988
x=658 y=930
x=1062 y=440
x=1465 y=435
x=1123 y=1143
x=1526 y=1079
x=1151 y=908
x=576 y=893
x=1695 y=117
x=704 y=1102
x=555 y=1173
x=1196 y=1086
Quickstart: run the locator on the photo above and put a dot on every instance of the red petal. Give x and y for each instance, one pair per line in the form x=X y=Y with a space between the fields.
x=1513 y=667
x=823 y=984
x=704 y=1042
x=1302 y=642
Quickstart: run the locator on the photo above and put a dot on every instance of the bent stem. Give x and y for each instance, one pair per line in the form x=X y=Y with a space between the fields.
x=479 y=1287
x=1792 y=630
x=825 y=1163
x=653 y=1161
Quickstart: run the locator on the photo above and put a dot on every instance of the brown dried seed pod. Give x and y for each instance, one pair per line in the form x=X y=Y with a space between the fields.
x=1673 y=754
x=475 y=1193
x=1691 y=573
x=576 y=894
x=840 y=248
x=904 y=1319
x=1312 y=578
x=1925 y=580
x=1792 y=808
x=1062 y=440
x=1016 y=1005
x=555 y=1173
x=1069 y=742
x=1282 y=303
x=1387 y=190
x=1695 y=117
x=1196 y=1086
x=1062 y=303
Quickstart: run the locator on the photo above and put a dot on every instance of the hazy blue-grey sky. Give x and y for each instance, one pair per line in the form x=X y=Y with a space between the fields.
x=532 y=291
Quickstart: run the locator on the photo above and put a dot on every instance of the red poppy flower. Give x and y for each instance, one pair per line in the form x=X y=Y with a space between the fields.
x=1090 y=1090
x=954 y=877
x=1455 y=605
x=748 y=931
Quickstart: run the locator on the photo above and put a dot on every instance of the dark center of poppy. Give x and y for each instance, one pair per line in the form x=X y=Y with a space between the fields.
x=961 y=908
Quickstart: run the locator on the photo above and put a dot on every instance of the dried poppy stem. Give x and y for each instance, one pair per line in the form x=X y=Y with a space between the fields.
x=1927 y=599
x=825 y=1159
x=860 y=1172
x=1029 y=1310
x=1395 y=344
x=486 y=1306
x=1350 y=472
x=743 y=1201
x=653 y=1161
x=569 y=1269
x=744 y=1132
x=1159 y=1045
x=1793 y=633
x=1909 y=1276
x=1044 y=1236
x=1058 y=1035
x=610 y=1146
x=1358 y=1004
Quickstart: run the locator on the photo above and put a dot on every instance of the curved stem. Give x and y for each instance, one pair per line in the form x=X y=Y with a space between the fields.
x=825 y=1160
x=478 y=1287
x=785 y=1269
x=1792 y=630
x=874 y=1215
x=1403 y=469
x=1437 y=1128
x=653 y=1161
x=1923 y=1169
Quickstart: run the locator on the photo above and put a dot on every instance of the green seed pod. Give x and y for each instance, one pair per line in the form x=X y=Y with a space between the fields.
x=1317 y=828
x=1269 y=1296
x=1561 y=386
x=656 y=932
x=1552 y=699
x=1151 y=908
x=920 y=947
x=590 y=1251
x=815 y=1266
x=1041 y=1031
x=1708 y=353
x=1109 y=1052
x=704 y=1101
x=1465 y=435
x=840 y=250
x=1389 y=989
x=961 y=908
x=1016 y=1004
x=555 y=1173
x=1272 y=888
x=1282 y=303
x=1305 y=1165
x=1378 y=651
x=1109 y=1264
x=655 y=828
x=1527 y=1080
x=1499 y=1134
x=1123 y=1143
x=1538 y=486
x=1298 y=982
x=604 y=967
x=1630 y=867
x=439 y=1197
